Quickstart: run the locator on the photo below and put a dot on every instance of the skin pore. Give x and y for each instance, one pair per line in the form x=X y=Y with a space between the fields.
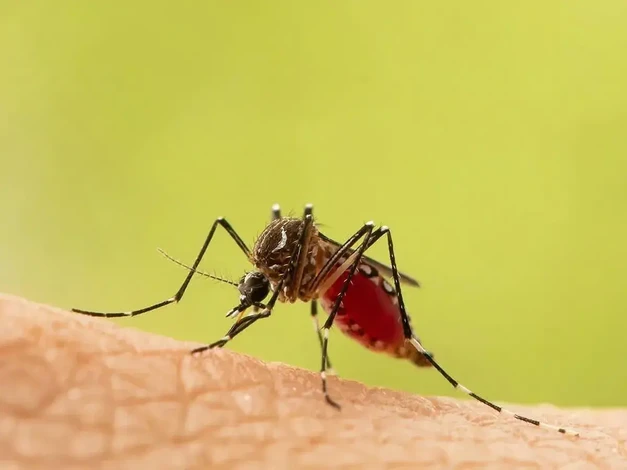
x=78 y=392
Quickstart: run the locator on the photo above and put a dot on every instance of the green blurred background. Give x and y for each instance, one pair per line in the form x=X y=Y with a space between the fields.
x=490 y=136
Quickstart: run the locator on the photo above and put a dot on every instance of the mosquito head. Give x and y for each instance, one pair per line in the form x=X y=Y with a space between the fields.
x=254 y=287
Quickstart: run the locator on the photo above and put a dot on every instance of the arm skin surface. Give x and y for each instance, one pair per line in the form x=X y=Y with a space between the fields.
x=83 y=393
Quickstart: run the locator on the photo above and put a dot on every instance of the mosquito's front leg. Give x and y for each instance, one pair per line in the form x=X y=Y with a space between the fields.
x=236 y=329
x=179 y=294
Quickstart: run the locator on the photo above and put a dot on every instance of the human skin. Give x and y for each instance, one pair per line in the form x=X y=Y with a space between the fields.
x=78 y=392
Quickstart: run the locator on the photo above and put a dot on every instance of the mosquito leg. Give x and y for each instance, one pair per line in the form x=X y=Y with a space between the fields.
x=314 y=306
x=238 y=327
x=179 y=294
x=365 y=232
x=342 y=252
x=308 y=210
x=316 y=324
x=409 y=336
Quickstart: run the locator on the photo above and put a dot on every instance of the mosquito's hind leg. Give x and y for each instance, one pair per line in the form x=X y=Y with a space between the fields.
x=411 y=338
x=179 y=294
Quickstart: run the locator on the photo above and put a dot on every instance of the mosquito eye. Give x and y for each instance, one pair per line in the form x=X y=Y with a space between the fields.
x=259 y=289
x=254 y=287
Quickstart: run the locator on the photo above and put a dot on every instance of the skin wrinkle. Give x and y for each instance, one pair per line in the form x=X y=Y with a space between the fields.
x=86 y=393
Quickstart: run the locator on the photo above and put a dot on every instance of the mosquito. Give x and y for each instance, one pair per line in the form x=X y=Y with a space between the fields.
x=293 y=261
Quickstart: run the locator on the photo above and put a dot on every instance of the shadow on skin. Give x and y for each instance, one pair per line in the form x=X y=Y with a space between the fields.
x=79 y=392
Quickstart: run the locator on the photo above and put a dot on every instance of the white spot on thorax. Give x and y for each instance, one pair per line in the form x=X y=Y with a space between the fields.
x=283 y=241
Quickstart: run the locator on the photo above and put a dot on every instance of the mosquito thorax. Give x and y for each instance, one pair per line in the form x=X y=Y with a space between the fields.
x=254 y=287
x=273 y=250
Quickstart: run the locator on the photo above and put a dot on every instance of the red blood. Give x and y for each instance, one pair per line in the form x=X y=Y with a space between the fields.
x=369 y=306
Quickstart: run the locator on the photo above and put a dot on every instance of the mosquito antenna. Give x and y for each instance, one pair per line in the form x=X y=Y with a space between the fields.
x=202 y=273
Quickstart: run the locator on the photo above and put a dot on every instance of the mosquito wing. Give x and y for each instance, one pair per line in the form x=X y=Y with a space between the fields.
x=384 y=269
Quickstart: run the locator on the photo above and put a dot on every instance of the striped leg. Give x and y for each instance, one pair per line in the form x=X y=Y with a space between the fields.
x=365 y=233
x=416 y=343
x=238 y=327
x=316 y=325
x=179 y=294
